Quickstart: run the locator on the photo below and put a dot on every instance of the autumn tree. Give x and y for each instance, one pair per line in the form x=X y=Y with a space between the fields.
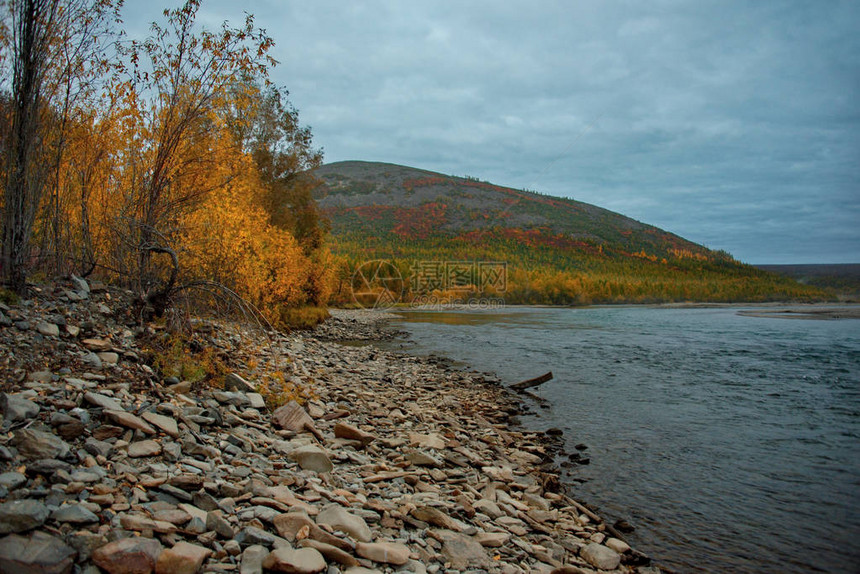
x=176 y=99
x=48 y=49
x=269 y=129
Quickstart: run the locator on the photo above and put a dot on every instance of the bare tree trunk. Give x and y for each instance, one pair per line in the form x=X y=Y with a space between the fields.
x=25 y=177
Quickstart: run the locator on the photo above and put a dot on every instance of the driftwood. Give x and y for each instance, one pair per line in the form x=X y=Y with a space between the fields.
x=532 y=382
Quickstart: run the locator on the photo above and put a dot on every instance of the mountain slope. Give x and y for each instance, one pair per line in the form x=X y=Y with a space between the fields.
x=557 y=250
x=416 y=204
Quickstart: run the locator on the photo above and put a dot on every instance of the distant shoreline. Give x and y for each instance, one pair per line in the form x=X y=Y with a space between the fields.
x=777 y=309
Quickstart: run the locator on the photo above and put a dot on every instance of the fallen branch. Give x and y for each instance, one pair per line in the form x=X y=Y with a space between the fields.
x=527 y=384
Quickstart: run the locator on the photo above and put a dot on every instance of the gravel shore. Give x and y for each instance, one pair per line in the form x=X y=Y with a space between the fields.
x=391 y=462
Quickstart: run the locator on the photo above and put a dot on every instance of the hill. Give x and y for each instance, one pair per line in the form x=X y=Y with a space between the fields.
x=842 y=279
x=554 y=250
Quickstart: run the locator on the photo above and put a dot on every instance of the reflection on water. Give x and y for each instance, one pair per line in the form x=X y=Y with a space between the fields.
x=730 y=442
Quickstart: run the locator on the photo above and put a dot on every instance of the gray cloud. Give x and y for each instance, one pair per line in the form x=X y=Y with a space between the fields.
x=733 y=123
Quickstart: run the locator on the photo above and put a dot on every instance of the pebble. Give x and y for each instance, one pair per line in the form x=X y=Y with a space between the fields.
x=396 y=463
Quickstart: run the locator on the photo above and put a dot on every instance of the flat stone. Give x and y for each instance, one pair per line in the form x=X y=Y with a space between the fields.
x=462 y=551
x=38 y=553
x=289 y=524
x=97 y=344
x=48 y=329
x=330 y=553
x=71 y=431
x=98 y=447
x=313 y=458
x=136 y=555
x=48 y=466
x=257 y=401
x=252 y=559
x=384 y=552
x=492 y=539
x=340 y=519
x=109 y=357
x=183 y=558
x=236 y=399
x=251 y=535
x=17 y=409
x=421 y=458
x=103 y=401
x=12 y=480
x=143 y=448
x=600 y=556
x=165 y=423
x=41 y=376
x=431 y=440
x=618 y=545
x=74 y=514
x=436 y=517
x=188 y=482
x=349 y=432
x=293 y=417
x=301 y=561
x=216 y=521
x=36 y=444
x=489 y=508
x=22 y=515
x=234 y=382
x=141 y=523
x=171 y=515
x=129 y=420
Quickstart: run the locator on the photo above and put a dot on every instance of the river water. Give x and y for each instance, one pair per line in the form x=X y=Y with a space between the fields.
x=731 y=443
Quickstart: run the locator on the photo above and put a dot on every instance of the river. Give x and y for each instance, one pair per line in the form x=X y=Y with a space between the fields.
x=730 y=442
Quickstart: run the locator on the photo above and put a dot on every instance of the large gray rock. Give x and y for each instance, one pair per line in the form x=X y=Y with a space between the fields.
x=39 y=553
x=340 y=519
x=74 y=514
x=22 y=515
x=600 y=556
x=35 y=444
x=17 y=409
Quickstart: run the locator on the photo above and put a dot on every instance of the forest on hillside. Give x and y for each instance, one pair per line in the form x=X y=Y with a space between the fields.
x=171 y=164
x=539 y=273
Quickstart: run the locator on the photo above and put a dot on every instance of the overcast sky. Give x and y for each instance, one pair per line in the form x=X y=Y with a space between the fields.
x=734 y=124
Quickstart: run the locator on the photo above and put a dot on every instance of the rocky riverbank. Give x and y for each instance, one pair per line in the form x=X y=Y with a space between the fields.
x=392 y=463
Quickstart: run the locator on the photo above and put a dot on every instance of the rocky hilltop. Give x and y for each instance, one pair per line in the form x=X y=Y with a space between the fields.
x=394 y=463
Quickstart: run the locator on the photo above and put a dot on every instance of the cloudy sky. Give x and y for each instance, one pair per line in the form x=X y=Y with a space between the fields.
x=734 y=124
